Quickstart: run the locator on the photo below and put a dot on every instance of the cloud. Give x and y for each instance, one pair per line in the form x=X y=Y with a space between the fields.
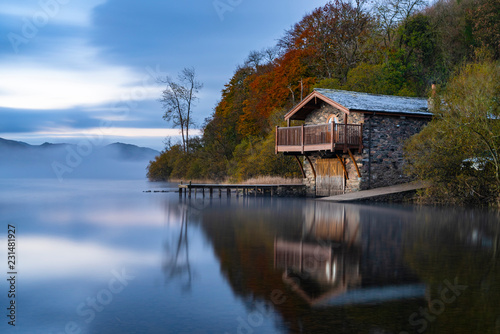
x=57 y=67
x=102 y=132
x=60 y=12
x=141 y=114
x=46 y=83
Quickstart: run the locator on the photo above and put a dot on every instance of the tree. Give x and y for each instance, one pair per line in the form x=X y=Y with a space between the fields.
x=334 y=35
x=178 y=100
x=417 y=52
x=459 y=151
x=471 y=105
x=391 y=13
x=452 y=27
x=485 y=16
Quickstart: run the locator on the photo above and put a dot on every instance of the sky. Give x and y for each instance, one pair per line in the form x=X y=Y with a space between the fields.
x=73 y=70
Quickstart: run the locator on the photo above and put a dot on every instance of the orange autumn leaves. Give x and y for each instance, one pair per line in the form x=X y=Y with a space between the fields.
x=279 y=85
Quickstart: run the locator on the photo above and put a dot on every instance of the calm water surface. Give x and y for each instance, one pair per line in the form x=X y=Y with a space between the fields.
x=106 y=257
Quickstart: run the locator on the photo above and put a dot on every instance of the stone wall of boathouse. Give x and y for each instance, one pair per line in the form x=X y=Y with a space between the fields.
x=384 y=136
x=321 y=115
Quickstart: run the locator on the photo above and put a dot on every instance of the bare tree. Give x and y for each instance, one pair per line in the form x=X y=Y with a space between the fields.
x=178 y=99
x=271 y=53
x=254 y=59
x=392 y=12
x=263 y=57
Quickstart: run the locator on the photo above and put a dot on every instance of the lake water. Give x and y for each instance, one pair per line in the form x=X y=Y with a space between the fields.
x=106 y=257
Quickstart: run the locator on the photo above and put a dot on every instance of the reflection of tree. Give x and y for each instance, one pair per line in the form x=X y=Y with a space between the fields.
x=176 y=255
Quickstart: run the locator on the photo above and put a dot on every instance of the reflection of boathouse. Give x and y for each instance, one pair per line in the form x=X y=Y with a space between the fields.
x=317 y=272
x=342 y=259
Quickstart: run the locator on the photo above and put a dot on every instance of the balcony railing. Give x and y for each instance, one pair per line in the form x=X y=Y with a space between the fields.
x=322 y=137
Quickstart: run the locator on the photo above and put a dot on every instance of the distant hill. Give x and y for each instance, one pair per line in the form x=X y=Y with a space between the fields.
x=131 y=152
x=114 y=161
x=6 y=144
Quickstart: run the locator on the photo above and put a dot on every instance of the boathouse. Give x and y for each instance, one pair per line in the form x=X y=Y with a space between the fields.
x=350 y=141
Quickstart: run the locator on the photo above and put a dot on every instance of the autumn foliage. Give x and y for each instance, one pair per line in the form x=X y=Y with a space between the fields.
x=394 y=47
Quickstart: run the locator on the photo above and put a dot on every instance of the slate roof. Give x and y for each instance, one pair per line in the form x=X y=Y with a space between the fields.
x=377 y=103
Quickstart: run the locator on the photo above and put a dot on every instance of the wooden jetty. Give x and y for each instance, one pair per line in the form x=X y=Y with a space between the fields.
x=243 y=189
x=377 y=192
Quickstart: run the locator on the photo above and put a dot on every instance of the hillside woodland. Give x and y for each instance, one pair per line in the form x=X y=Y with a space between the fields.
x=396 y=47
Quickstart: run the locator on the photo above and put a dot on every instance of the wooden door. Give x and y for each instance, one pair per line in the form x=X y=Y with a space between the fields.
x=329 y=177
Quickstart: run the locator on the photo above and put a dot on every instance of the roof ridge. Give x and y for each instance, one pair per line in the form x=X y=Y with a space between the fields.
x=318 y=89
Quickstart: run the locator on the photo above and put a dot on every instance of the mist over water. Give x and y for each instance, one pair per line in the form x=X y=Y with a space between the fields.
x=66 y=161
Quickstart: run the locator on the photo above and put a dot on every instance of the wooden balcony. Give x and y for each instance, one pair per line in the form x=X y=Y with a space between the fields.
x=321 y=137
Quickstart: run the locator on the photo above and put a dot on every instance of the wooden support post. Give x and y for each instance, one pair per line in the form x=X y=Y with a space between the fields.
x=343 y=166
x=276 y=141
x=180 y=192
x=211 y=191
x=361 y=138
x=228 y=192
x=220 y=192
x=354 y=162
x=195 y=189
x=272 y=191
x=301 y=167
x=302 y=137
x=345 y=133
x=312 y=167
x=334 y=127
x=189 y=195
x=255 y=195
